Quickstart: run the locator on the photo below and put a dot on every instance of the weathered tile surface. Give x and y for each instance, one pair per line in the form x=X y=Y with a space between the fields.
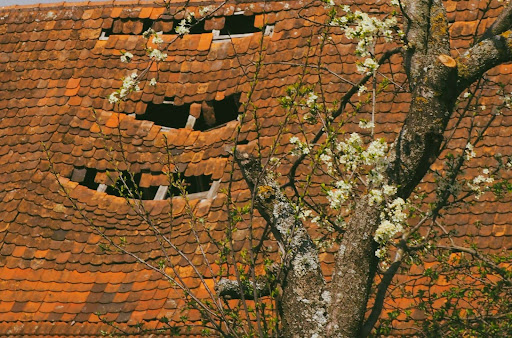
x=54 y=276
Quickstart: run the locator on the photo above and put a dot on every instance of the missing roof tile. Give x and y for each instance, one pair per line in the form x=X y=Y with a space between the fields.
x=236 y=25
x=126 y=26
x=192 y=185
x=218 y=113
x=239 y=24
x=167 y=24
x=85 y=177
x=167 y=114
x=126 y=185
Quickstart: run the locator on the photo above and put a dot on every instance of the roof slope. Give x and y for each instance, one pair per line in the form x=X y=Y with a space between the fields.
x=55 y=278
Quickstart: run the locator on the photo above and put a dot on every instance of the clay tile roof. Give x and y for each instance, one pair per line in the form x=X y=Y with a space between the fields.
x=58 y=61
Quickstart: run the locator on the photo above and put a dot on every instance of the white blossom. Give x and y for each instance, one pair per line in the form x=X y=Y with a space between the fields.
x=375 y=197
x=368 y=66
x=469 y=152
x=157 y=38
x=340 y=194
x=480 y=183
x=148 y=33
x=376 y=150
x=386 y=230
x=366 y=124
x=380 y=252
x=113 y=98
x=126 y=57
x=204 y=10
x=389 y=190
x=157 y=55
x=182 y=28
x=311 y=99
x=152 y=82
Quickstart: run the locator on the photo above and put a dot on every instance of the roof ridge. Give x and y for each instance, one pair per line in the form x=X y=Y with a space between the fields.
x=91 y=3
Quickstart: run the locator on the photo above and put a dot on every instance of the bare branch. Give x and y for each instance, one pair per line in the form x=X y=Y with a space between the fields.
x=502 y=23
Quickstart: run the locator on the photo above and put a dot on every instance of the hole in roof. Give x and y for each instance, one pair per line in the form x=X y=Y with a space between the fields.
x=195 y=27
x=105 y=33
x=126 y=27
x=126 y=185
x=85 y=177
x=191 y=184
x=239 y=24
x=217 y=113
x=149 y=193
x=147 y=24
x=166 y=114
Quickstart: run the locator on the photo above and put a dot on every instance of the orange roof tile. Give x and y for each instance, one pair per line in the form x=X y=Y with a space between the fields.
x=54 y=274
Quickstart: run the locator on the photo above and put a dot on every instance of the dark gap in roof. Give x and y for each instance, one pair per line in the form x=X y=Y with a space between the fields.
x=106 y=32
x=243 y=142
x=147 y=24
x=88 y=181
x=239 y=24
x=149 y=192
x=125 y=184
x=192 y=184
x=130 y=187
x=127 y=27
x=198 y=183
x=234 y=24
x=196 y=27
x=226 y=110
x=166 y=114
x=217 y=113
x=173 y=189
x=167 y=25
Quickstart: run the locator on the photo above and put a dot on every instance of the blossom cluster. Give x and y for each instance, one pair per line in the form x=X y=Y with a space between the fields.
x=367 y=30
x=185 y=24
x=469 y=152
x=355 y=161
x=479 y=184
x=130 y=84
x=300 y=147
x=392 y=220
x=155 y=53
x=126 y=57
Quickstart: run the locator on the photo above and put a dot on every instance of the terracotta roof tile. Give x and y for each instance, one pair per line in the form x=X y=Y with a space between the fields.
x=56 y=68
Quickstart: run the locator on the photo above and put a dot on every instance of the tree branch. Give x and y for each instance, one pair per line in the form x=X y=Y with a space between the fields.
x=302 y=280
x=483 y=56
x=502 y=23
x=426 y=28
x=496 y=268
x=231 y=289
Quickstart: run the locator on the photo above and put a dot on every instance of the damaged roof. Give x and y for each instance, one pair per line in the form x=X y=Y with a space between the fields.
x=59 y=62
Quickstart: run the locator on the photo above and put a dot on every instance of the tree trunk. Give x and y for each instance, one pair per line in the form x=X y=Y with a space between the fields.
x=435 y=81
